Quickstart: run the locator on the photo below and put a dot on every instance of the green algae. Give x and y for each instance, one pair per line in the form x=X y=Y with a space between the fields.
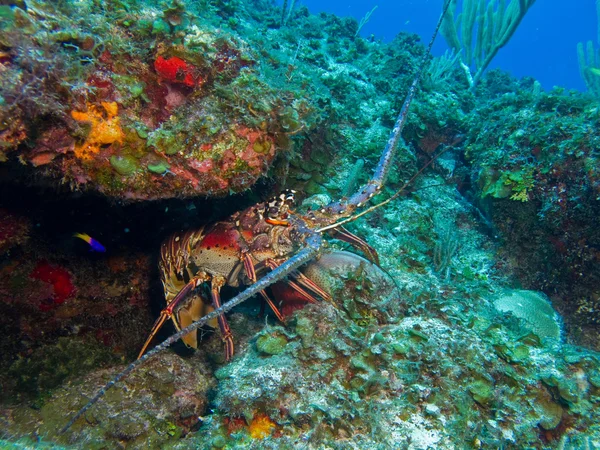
x=166 y=141
x=306 y=330
x=263 y=146
x=130 y=87
x=24 y=22
x=594 y=378
x=401 y=348
x=159 y=168
x=218 y=442
x=142 y=132
x=7 y=15
x=50 y=366
x=160 y=27
x=270 y=344
x=482 y=391
x=124 y=165
x=550 y=413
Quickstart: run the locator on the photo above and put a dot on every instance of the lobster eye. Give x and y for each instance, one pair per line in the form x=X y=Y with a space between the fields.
x=273 y=212
x=289 y=197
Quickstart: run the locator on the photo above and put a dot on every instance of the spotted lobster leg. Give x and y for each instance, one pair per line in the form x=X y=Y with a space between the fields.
x=301 y=284
x=216 y=285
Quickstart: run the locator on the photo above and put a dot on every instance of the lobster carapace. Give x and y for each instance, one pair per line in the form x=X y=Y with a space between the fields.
x=234 y=252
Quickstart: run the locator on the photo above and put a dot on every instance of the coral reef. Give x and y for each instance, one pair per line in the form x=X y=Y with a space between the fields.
x=453 y=341
x=104 y=111
x=533 y=161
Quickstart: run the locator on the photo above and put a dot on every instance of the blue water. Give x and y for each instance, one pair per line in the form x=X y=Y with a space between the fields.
x=543 y=47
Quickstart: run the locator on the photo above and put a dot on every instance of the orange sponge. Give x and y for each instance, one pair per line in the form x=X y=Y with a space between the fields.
x=105 y=129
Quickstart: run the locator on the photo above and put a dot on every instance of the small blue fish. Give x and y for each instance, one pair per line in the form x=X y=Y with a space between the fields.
x=94 y=244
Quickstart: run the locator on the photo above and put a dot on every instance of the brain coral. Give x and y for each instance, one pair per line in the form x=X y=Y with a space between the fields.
x=534 y=309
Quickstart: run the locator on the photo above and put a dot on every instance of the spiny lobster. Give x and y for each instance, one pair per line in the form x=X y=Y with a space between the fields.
x=267 y=237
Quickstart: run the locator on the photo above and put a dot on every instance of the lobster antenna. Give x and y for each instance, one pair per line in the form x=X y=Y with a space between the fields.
x=386 y=201
x=384 y=164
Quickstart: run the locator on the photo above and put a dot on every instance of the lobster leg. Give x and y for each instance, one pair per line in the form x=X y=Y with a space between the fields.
x=302 y=282
x=344 y=235
x=216 y=285
x=167 y=313
x=249 y=266
x=295 y=286
x=251 y=274
x=274 y=308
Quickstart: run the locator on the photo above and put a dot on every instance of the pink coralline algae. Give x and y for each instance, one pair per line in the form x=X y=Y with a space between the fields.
x=176 y=70
x=59 y=278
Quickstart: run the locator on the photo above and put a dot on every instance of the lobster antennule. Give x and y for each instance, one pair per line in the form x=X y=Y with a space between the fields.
x=346 y=207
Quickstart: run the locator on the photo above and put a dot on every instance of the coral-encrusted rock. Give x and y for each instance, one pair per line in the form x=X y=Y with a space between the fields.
x=538 y=180
x=14 y=230
x=157 y=405
x=412 y=384
x=101 y=113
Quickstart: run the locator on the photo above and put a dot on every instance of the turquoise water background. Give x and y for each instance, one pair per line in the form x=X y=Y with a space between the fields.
x=544 y=46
